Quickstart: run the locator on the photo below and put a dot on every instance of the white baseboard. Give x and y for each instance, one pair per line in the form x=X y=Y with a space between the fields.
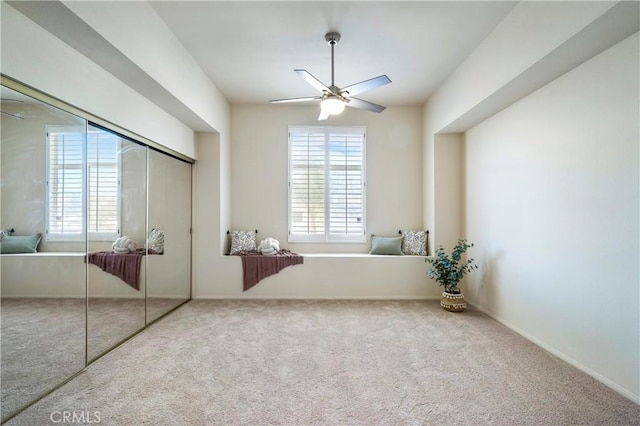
x=622 y=391
x=263 y=297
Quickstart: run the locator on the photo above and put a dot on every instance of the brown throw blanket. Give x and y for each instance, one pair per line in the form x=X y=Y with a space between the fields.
x=124 y=266
x=256 y=266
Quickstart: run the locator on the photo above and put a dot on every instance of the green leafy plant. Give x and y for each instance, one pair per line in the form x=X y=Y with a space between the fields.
x=448 y=272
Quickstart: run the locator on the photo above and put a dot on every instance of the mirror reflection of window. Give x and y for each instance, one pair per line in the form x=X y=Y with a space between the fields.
x=83 y=176
x=103 y=178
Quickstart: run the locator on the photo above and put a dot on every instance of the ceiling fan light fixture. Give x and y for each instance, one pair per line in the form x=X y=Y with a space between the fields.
x=332 y=106
x=333 y=99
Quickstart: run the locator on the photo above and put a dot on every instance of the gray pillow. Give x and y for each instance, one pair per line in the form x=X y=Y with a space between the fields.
x=242 y=241
x=4 y=232
x=386 y=245
x=20 y=244
x=414 y=243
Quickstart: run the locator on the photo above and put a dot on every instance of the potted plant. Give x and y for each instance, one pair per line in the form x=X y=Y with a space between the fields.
x=448 y=272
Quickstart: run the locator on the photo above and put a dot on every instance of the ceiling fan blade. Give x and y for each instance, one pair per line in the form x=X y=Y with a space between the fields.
x=363 y=86
x=312 y=80
x=308 y=98
x=360 y=104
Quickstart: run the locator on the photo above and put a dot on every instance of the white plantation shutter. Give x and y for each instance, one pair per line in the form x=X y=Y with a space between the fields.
x=83 y=167
x=103 y=178
x=65 y=183
x=346 y=190
x=326 y=184
x=307 y=183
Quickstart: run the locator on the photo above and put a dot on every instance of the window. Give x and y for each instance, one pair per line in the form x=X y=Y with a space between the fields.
x=327 y=184
x=83 y=185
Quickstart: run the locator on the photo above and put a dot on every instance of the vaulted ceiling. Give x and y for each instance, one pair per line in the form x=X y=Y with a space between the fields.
x=168 y=50
x=250 y=49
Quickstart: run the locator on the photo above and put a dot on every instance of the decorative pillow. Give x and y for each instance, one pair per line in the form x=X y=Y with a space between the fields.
x=4 y=232
x=414 y=243
x=386 y=245
x=242 y=241
x=20 y=244
x=155 y=242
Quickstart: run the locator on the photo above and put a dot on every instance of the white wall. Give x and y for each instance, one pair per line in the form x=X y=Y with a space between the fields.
x=552 y=194
x=535 y=43
x=27 y=50
x=157 y=51
x=449 y=173
x=529 y=33
x=210 y=216
x=259 y=169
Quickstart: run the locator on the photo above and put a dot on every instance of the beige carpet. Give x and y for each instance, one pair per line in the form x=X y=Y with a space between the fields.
x=43 y=340
x=336 y=363
x=42 y=343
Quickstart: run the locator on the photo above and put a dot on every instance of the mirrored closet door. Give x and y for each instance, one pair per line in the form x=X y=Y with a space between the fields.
x=168 y=260
x=96 y=242
x=116 y=218
x=43 y=294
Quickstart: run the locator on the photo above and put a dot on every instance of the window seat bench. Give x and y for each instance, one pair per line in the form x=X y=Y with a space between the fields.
x=59 y=274
x=335 y=276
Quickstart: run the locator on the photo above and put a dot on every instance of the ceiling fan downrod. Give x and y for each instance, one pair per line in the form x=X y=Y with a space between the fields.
x=332 y=38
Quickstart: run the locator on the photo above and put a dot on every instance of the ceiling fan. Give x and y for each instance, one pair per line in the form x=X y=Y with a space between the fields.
x=334 y=99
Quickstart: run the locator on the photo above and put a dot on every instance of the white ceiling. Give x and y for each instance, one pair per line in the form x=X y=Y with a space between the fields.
x=250 y=49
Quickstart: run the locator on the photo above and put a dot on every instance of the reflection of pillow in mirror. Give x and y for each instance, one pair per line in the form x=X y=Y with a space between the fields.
x=242 y=241
x=20 y=244
x=4 y=232
x=155 y=242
